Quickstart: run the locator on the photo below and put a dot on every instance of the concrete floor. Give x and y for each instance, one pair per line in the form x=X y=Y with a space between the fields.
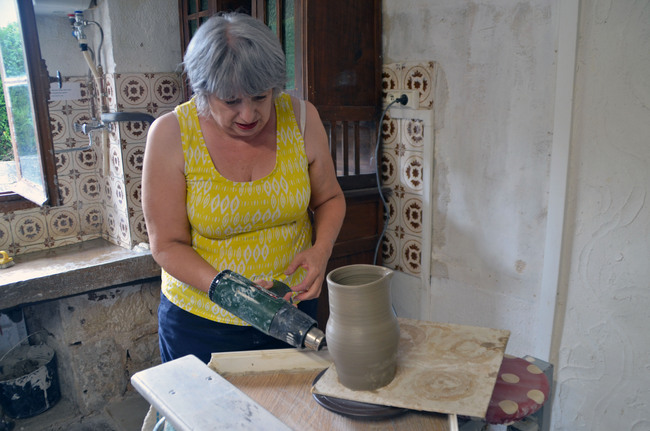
x=125 y=415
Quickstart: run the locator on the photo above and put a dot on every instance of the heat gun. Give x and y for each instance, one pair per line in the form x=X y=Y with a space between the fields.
x=265 y=309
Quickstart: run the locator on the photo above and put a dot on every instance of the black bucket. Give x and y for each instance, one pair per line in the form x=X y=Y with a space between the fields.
x=29 y=382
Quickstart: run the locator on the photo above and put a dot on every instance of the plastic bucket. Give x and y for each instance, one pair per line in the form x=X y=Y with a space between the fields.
x=29 y=382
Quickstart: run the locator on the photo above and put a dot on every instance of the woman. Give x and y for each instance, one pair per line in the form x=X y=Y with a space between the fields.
x=229 y=182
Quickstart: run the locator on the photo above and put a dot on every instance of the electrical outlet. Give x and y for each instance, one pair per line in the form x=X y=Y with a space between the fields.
x=413 y=96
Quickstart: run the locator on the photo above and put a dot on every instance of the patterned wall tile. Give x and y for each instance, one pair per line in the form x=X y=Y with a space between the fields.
x=95 y=203
x=133 y=131
x=166 y=89
x=132 y=91
x=64 y=163
x=5 y=234
x=419 y=76
x=412 y=165
x=389 y=131
x=393 y=201
x=410 y=254
x=135 y=194
x=110 y=97
x=67 y=190
x=85 y=161
x=403 y=167
x=413 y=133
x=390 y=250
x=138 y=229
x=63 y=223
x=390 y=79
x=91 y=219
x=389 y=169
x=133 y=160
x=411 y=214
x=29 y=230
x=89 y=188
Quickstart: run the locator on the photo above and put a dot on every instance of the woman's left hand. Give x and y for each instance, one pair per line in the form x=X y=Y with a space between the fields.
x=314 y=261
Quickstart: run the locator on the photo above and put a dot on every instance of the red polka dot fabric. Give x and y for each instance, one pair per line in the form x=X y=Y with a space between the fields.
x=520 y=390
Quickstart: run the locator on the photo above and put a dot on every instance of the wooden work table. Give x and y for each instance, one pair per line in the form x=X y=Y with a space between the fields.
x=441 y=368
x=288 y=397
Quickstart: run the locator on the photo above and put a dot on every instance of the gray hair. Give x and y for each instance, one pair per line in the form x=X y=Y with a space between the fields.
x=233 y=55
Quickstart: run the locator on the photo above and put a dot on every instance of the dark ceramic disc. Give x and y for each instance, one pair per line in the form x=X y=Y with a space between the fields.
x=356 y=409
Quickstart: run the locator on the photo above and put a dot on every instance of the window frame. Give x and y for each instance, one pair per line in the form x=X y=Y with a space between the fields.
x=39 y=81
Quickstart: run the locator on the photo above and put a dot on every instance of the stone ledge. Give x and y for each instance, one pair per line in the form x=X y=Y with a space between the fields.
x=72 y=270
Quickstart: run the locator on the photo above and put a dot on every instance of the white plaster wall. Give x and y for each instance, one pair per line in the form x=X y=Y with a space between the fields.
x=59 y=48
x=494 y=112
x=141 y=36
x=494 y=118
x=603 y=367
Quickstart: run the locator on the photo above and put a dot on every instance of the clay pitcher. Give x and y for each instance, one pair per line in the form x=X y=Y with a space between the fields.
x=362 y=331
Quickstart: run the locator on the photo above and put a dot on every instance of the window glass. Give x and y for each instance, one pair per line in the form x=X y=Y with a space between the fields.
x=21 y=168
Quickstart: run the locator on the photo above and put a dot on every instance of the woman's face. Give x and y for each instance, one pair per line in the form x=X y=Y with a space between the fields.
x=244 y=116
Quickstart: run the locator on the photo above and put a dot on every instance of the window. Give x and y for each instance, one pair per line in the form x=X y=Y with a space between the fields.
x=27 y=169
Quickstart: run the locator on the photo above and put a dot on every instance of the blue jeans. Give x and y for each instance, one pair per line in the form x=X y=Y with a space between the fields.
x=182 y=333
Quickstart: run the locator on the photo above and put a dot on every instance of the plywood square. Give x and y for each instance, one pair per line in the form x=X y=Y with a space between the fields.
x=442 y=368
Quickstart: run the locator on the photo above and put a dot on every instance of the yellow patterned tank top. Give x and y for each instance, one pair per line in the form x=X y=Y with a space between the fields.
x=253 y=228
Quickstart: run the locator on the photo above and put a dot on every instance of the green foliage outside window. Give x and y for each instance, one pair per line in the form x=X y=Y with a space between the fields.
x=14 y=65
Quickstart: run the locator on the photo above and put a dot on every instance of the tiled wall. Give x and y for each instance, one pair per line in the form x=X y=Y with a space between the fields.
x=403 y=167
x=104 y=204
x=100 y=187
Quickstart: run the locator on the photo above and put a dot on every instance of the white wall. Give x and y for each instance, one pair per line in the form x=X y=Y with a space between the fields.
x=493 y=109
x=604 y=308
x=494 y=105
x=139 y=36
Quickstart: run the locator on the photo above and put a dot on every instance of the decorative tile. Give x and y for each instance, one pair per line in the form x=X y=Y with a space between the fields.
x=166 y=89
x=86 y=160
x=96 y=203
x=67 y=190
x=413 y=134
x=132 y=90
x=110 y=98
x=133 y=131
x=108 y=192
x=91 y=219
x=139 y=229
x=389 y=250
x=389 y=131
x=89 y=188
x=411 y=214
x=58 y=126
x=116 y=161
x=63 y=163
x=123 y=230
x=29 y=229
x=389 y=169
x=111 y=225
x=410 y=254
x=119 y=195
x=133 y=160
x=419 y=77
x=393 y=210
x=135 y=194
x=412 y=165
x=5 y=234
x=63 y=223
x=389 y=79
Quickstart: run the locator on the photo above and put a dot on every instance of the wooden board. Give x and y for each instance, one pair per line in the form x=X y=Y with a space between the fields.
x=441 y=368
x=281 y=381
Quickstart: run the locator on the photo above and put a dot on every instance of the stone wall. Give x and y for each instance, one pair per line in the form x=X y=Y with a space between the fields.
x=101 y=339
